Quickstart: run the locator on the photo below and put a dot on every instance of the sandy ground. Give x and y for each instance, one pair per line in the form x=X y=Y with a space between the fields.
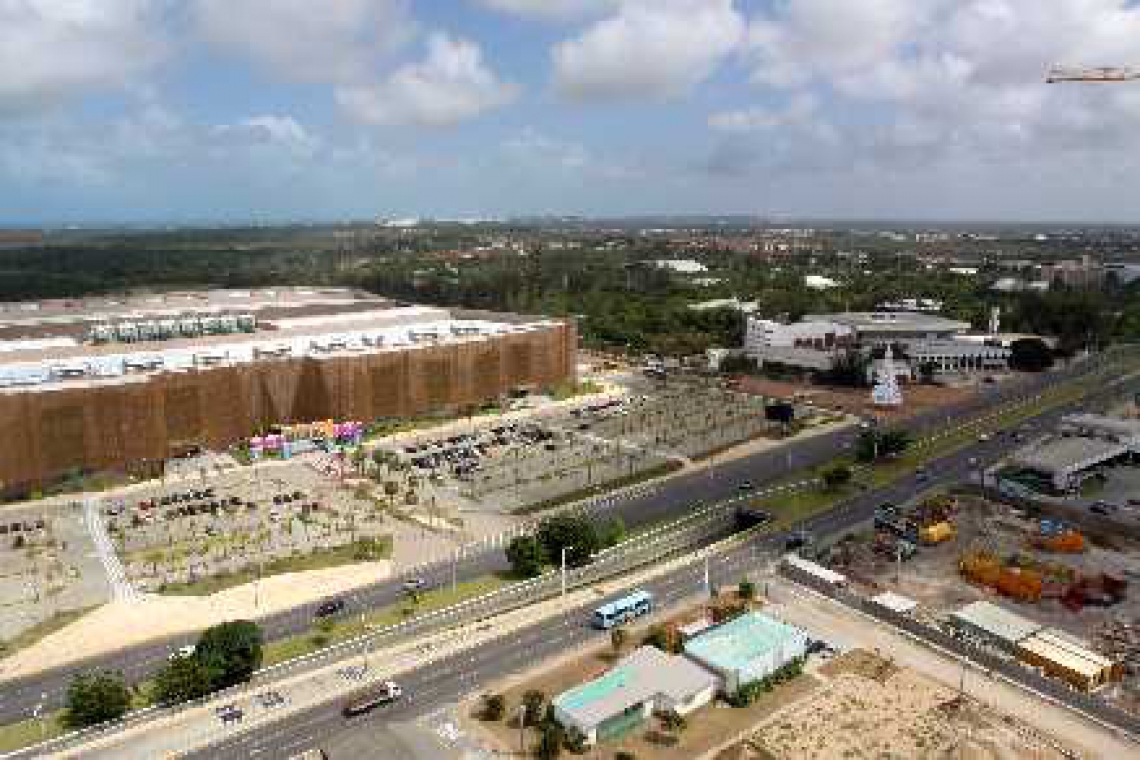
x=130 y=624
x=903 y=714
x=916 y=398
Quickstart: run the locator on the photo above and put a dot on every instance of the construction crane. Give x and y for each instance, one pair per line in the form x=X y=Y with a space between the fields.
x=1059 y=74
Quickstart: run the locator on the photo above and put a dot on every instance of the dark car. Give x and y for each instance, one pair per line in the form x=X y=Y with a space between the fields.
x=229 y=713
x=747 y=485
x=386 y=694
x=330 y=607
x=797 y=540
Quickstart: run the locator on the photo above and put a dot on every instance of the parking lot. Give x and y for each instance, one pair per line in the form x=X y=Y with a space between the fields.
x=510 y=464
x=235 y=521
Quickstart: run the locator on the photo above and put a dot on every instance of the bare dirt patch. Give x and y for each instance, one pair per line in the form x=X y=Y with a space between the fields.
x=916 y=398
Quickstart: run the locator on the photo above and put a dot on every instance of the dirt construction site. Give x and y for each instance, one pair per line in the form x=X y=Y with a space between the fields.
x=945 y=552
x=872 y=708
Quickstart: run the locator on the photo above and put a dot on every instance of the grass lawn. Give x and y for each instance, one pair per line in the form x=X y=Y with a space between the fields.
x=342 y=629
x=342 y=555
x=39 y=630
x=15 y=736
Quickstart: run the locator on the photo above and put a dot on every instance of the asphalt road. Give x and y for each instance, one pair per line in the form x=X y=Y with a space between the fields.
x=442 y=683
x=433 y=686
x=19 y=698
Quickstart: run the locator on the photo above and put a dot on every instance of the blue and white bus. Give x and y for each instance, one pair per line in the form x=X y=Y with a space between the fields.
x=621 y=610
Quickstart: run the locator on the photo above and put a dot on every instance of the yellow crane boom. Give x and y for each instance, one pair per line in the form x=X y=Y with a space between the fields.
x=1059 y=74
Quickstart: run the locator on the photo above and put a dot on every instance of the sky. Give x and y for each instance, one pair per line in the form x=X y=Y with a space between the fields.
x=271 y=110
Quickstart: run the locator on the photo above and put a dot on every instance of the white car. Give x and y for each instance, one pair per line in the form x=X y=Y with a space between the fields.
x=186 y=651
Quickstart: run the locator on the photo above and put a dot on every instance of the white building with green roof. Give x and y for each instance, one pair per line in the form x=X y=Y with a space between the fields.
x=622 y=698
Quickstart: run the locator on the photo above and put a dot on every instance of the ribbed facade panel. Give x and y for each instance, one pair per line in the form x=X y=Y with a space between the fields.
x=116 y=425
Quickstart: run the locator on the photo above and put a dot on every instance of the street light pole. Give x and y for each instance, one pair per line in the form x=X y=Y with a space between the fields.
x=521 y=712
x=564 y=548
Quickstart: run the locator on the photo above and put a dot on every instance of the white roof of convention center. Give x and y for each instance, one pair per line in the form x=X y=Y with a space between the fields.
x=891 y=321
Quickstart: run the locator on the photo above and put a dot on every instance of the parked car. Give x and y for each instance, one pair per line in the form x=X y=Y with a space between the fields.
x=186 y=651
x=330 y=607
x=747 y=485
x=229 y=713
x=387 y=693
x=415 y=584
x=1103 y=508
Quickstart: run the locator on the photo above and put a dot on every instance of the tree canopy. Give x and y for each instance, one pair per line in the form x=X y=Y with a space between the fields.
x=94 y=698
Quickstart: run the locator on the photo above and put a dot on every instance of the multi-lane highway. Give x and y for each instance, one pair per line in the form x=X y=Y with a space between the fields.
x=441 y=683
x=671 y=498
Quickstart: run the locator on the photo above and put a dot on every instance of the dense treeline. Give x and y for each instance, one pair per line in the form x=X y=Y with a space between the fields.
x=619 y=300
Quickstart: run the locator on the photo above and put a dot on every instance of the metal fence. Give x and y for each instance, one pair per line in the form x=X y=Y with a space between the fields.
x=1056 y=690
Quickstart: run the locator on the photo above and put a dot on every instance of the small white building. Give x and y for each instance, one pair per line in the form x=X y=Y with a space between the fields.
x=819 y=282
x=681 y=266
x=624 y=697
x=747 y=648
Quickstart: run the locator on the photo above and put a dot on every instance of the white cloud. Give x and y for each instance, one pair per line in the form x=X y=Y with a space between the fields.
x=303 y=40
x=802 y=109
x=956 y=80
x=652 y=49
x=54 y=49
x=452 y=84
x=550 y=9
x=272 y=131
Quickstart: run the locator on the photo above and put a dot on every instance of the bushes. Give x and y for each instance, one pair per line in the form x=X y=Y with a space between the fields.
x=664 y=638
x=526 y=557
x=94 y=698
x=750 y=692
x=494 y=707
x=533 y=702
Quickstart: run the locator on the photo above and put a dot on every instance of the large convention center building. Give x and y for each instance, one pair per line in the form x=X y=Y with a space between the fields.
x=107 y=383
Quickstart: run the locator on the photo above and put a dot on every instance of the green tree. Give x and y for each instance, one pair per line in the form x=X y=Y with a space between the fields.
x=576 y=533
x=618 y=637
x=673 y=721
x=848 y=370
x=231 y=652
x=181 y=680
x=612 y=532
x=1030 y=355
x=550 y=741
x=836 y=476
x=494 y=707
x=526 y=556
x=746 y=591
x=94 y=698
x=533 y=701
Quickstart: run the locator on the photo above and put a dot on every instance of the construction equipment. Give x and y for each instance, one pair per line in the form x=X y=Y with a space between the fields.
x=936 y=533
x=1104 y=74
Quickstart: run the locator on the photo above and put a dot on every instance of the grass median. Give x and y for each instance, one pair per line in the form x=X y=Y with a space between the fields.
x=333 y=631
x=25 y=733
x=364 y=550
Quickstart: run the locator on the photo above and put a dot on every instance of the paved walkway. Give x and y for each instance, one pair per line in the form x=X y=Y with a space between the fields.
x=121 y=587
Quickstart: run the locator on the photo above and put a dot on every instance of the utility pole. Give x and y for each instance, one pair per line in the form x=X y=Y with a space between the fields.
x=521 y=713
x=564 y=548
